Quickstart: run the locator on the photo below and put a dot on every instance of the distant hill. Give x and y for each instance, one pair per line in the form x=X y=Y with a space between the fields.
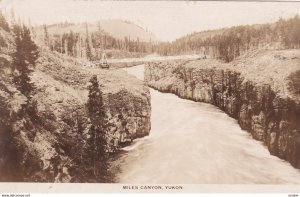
x=203 y=35
x=229 y=43
x=116 y=28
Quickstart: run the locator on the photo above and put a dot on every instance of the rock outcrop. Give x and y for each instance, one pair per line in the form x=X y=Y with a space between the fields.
x=261 y=91
x=52 y=145
x=127 y=100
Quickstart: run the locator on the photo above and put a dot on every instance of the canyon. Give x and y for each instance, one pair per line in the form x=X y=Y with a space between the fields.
x=49 y=142
x=260 y=90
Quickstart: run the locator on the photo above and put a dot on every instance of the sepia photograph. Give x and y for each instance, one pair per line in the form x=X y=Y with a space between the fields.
x=149 y=96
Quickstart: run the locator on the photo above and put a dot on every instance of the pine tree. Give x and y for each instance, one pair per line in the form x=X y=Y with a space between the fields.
x=88 y=47
x=99 y=36
x=97 y=142
x=66 y=47
x=30 y=48
x=3 y=23
x=71 y=43
x=105 y=42
x=24 y=59
x=46 y=36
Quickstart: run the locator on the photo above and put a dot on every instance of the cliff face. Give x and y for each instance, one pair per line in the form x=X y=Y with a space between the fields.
x=267 y=108
x=53 y=145
x=127 y=100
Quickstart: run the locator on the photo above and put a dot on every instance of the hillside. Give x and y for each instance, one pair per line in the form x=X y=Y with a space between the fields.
x=47 y=137
x=203 y=35
x=119 y=29
x=229 y=43
x=118 y=39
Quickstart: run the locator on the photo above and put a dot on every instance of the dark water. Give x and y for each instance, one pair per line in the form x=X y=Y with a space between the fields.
x=197 y=143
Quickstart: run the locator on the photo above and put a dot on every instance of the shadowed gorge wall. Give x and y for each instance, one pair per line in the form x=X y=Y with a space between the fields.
x=259 y=109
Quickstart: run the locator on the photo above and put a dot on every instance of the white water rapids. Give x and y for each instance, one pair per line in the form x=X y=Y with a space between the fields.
x=192 y=142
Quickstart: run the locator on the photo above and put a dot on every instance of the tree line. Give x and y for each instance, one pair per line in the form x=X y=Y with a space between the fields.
x=227 y=44
x=91 y=45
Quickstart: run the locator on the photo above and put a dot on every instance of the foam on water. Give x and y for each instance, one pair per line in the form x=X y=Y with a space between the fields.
x=193 y=142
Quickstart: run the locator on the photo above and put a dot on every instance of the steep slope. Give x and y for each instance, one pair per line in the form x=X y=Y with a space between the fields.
x=49 y=143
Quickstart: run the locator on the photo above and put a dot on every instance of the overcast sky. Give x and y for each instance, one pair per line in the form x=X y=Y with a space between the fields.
x=168 y=20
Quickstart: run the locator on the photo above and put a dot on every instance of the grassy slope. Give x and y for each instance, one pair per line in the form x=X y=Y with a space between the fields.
x=71 y=72
x=272 y=67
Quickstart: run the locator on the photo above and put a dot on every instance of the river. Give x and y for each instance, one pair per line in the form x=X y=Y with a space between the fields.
x=192 y=142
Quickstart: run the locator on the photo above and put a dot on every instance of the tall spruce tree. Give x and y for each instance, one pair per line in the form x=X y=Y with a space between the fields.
x=24 y=59
x=97 y=143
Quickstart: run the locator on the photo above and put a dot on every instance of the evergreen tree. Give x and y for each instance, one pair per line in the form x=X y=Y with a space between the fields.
x=88 y=47
x=30 y=48
x=71 y=43
x=24 y=59
x=99 y=36
x=295 y=32
x=3 y=23
x=46 y=36
x=97 y=144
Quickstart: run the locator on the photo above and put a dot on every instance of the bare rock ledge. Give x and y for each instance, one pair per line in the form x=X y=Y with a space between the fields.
x=261 y=91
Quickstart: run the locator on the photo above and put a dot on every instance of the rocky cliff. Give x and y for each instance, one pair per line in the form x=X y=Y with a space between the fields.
x=127 y=100
x=260 y=90
x=49 y=143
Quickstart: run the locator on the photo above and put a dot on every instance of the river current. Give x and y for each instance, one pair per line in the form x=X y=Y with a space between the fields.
x=192 y=142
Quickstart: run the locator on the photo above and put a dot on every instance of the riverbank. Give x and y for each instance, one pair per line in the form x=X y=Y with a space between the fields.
x=50 y=142
x=259 y=90
x=196 y=143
